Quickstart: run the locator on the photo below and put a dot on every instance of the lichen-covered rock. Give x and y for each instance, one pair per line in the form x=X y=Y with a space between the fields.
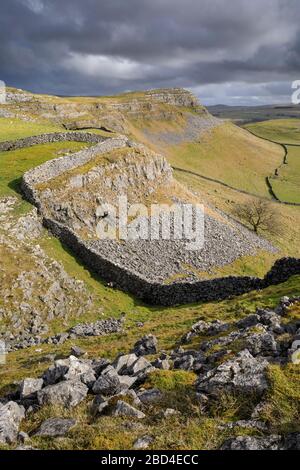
x=163 y=364
x=143 y=442
x=242 y=423
x=152 y=395
x=68 y=393
x=184 y=362
x=56 y=372
x=29 y=387
x=98 y=365
x=262 y=344
x=244 y=374
x=146 y=345
x=11 y=415
x=99 y=328
x=108 y=384
x=272 y=320
x=139 y=366
x=67 y=369
x=54 y=427
x=77 y=351
x=124 y=409
x=252 y=443
x=248 y=321
x=205 y=328
x=88 y=378
x=77 y=368
x=124 y=362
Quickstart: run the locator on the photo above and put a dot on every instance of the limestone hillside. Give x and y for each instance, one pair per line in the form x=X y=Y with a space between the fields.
x=138 y=344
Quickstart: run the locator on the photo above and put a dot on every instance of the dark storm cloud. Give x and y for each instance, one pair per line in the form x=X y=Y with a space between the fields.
x=106 y=46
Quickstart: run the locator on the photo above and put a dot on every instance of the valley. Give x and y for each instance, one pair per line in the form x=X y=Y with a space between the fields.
x=46 y=289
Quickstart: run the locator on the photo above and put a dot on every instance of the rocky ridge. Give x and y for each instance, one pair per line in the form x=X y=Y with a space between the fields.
x=25 y=314
x=111 y=114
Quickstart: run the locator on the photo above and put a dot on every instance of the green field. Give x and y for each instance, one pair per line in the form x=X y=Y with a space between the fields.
x=13 y=164
x=286 y=131
x=13 y=129
x=225 y=199
x=286 y=185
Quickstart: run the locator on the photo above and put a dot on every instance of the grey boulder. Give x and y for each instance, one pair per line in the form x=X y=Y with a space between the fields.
x=77 y=351
x=248 y=321
x=29 y=387
x=244 y=374
x=124 y=362
x=152 y=395
x=68 y=393
x=108 y=384
x=66 y=369
x=124 y=409
x=252 y=443
x=143 y=442
x=54 y=427
x=205 y=328
x=261 y=344
x=11 y=415
x=77 y=368
x=162 y=364
x=56 y=372
x=146 y=345
x=139 y=366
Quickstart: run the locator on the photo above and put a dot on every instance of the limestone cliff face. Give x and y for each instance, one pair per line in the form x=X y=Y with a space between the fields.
x=72 y=198
x=158 y=104
x=110 y=114
x=175 y=97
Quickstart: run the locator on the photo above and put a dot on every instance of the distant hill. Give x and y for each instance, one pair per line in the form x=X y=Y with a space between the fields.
x=247 y=114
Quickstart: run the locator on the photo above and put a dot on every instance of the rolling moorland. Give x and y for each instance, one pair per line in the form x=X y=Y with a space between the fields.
x=247 y=114
x=46 y=291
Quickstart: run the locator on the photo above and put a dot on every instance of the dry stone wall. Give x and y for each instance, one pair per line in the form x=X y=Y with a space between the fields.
x=58 y=166
x=51 y=138
x=171 y=294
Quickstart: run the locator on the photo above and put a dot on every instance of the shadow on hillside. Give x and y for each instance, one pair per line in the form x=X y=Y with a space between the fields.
x=15 y=185
x=136 y=302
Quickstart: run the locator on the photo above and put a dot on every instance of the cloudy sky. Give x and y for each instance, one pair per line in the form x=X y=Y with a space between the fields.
x=226 y=51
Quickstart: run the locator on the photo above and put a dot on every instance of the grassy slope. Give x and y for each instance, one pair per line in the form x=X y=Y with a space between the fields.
x=225 y=199
x=13 y=164
x=287 y=184
x=229 y=154
x=12 y=129
x=190 y=430
x=235 y=157
x=280 y=130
